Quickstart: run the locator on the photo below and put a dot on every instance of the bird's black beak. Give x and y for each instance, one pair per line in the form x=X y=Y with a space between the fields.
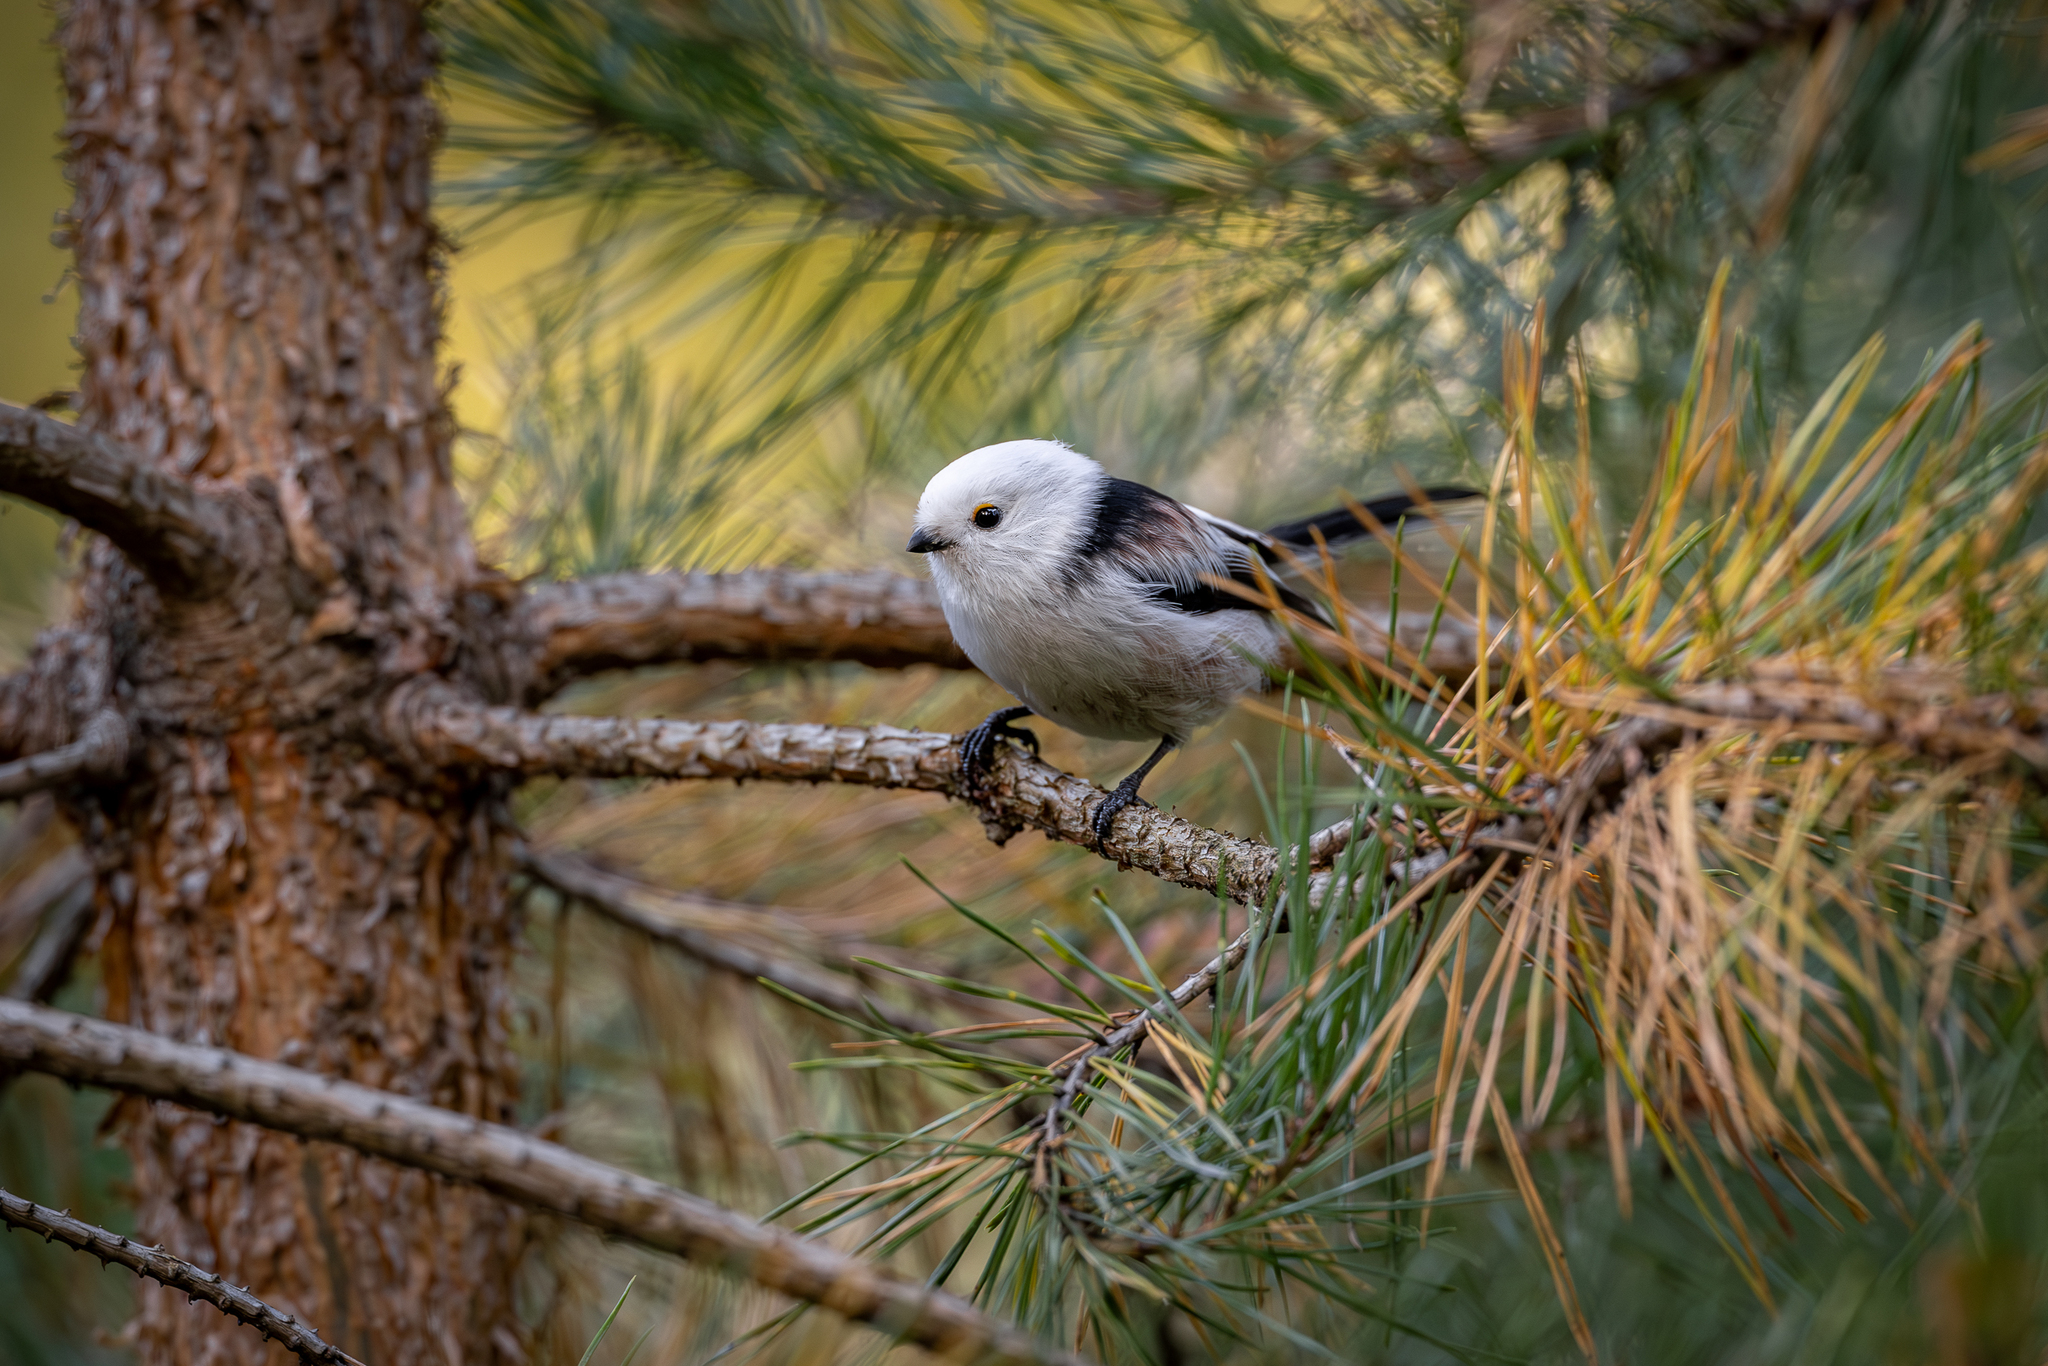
x=923 y=541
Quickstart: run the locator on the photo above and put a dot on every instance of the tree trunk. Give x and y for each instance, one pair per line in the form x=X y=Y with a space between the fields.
x=260 y=309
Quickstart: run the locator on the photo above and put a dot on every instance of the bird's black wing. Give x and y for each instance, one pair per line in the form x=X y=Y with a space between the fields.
x=1174 y=550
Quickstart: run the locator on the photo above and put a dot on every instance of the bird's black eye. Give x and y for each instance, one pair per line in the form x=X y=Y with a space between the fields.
x=987 y=516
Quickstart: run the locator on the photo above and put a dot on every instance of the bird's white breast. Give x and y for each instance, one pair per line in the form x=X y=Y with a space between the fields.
x=1114 y=664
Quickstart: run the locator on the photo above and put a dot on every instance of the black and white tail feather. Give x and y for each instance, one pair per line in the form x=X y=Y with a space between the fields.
x=1097 y=601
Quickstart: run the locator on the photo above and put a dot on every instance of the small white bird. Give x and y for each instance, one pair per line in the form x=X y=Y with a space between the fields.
x=1090 y=598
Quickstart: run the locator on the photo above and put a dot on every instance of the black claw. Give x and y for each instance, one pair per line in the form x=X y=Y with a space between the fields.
x=1125 y=795
x=978 y=746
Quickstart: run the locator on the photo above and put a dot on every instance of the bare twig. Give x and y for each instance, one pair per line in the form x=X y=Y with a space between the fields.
x=528 y=1171
x=174 y=1273
x=59 y=895
x=99 y=753
x=185 y=539
x=617 y=621
x=37 y=880
x=67 y=915
x=441 y=729
x=1073 y=1070
x=628 y=902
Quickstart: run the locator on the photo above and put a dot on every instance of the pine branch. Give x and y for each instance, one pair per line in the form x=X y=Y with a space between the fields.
x=862 y=170
x=61 y=898
x=99 y=753
x=528 y=1171
x=435 y=727
x=1922 y=711
x=625 y=901
x=1073 y=1070
x=438 y=728
x=615 y=621
x=1447 y=163
x=174 y=1273
x=186 y=540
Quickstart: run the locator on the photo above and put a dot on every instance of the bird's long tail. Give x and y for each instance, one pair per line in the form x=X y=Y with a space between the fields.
x=1340 y=524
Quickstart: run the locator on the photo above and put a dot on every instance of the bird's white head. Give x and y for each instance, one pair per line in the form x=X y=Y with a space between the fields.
x=1015 y=509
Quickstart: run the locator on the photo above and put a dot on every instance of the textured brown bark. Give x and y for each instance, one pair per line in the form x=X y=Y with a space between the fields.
x=1024 y=793
x=102 y=751
x=621 y=620
x=181 y=534
x=259 y=313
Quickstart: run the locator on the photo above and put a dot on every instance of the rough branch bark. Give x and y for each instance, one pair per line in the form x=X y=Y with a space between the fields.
x=621 y=620
x=442 y=730
x=1025 y=792
x=99 y=753
x=184 y=539
x=175 y=1273
x=537 y=1174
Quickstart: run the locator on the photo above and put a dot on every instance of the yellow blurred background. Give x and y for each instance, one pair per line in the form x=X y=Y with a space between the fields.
x=36 y=302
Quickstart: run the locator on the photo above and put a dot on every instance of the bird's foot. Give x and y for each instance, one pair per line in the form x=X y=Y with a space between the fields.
x=978 y=746
x=1124 y=795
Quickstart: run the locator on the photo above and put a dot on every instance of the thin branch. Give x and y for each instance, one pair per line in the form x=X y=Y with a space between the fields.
x=186 y=540
x=176 y=1274
x=626 y=901
x=1447 y=163
x=14 y=696
x=1925 y=711
x=441 y=729
x=99 y=753
x=510 y=1164
x=1074 y=1070
x=615 y=621
x=64 y=901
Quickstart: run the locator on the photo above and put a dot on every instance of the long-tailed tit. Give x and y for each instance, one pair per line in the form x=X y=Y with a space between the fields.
x=1092 y=598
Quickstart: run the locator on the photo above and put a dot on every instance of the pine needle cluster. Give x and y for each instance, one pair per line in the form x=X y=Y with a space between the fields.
x=1731 y=844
